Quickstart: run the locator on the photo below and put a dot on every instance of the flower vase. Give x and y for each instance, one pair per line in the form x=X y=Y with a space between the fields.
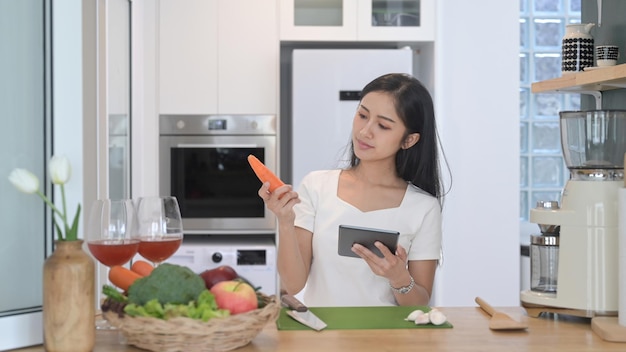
x=577 y=48
x=69 y=299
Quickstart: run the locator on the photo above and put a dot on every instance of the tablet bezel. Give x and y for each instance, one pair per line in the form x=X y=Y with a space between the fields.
x=366 y=236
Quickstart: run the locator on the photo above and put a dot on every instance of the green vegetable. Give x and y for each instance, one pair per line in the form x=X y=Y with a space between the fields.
x=204 y=309
x=168 y=283
x=114 y=294
x=115 y=301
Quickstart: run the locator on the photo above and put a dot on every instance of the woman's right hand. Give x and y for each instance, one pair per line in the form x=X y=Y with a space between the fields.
x=280 y=202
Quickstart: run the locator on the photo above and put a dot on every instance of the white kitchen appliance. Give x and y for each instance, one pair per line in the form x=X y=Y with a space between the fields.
x=203 y=161
x=580 y=237
x=253 y=258
x=326 y=91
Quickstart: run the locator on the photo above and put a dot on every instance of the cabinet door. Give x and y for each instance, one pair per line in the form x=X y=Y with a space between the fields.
x=396 y=20
x=188 y=56
x=318 y=20
x=248 y=57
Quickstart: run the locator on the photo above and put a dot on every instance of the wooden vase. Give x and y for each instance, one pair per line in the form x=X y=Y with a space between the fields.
x=69 y=299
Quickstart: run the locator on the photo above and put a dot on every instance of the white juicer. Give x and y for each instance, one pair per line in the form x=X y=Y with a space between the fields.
x=594 y=143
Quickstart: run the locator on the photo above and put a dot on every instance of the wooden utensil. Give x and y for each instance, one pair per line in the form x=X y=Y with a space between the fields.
x=499 y=320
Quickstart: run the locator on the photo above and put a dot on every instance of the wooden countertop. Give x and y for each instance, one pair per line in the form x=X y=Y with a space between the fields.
x=470 y=333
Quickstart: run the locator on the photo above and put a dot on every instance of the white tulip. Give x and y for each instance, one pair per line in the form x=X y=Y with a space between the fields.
x=60 y=170
x=24 y=180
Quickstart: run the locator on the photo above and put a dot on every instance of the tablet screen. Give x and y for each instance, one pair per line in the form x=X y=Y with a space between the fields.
x=348 y=235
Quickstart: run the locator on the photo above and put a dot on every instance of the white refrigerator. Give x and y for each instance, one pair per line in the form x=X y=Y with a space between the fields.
x=326 y=85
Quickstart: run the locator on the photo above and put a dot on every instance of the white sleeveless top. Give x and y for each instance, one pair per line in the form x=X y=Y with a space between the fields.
x=336 y=280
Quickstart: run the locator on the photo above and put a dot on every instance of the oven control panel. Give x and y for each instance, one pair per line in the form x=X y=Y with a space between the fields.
x=194 y=125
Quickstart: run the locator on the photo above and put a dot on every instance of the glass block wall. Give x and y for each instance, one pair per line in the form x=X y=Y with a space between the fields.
x=543 y=171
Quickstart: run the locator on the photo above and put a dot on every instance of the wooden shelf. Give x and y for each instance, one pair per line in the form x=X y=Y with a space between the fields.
x=597 y=80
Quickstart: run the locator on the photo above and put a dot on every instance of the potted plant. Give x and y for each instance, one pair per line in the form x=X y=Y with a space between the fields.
x=68 y=274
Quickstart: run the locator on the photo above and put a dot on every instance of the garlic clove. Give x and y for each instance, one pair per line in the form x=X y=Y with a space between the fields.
x=414 y=315
x=422 y=319
x=436 y=317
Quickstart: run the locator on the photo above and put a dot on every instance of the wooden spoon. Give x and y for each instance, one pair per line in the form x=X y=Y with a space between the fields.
x=499 y=320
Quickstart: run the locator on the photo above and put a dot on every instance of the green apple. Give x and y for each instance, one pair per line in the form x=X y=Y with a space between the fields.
x=235 y=296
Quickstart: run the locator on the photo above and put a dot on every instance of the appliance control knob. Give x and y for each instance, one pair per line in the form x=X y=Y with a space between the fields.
x=254 y=125
x=180 y=124
x=216 y=257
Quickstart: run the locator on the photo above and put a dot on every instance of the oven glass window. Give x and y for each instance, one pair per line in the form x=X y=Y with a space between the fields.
x=216 y=182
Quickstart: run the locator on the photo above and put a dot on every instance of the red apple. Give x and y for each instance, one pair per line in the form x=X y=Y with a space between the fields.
x=221 y=273
x=235 y=296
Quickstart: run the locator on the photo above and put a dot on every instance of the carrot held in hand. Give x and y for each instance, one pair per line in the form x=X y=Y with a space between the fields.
x=122 y=277
x=142 y=267
x=263 y=173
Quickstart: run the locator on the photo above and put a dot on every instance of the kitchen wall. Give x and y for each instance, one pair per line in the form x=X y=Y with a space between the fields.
x=476 y=92
x=145 y=142
x=612 y=30
x=477 y=101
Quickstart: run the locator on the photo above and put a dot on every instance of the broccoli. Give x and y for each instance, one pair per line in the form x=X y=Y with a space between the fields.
x=168 y=283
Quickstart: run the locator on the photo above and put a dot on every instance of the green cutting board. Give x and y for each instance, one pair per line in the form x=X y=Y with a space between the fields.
x=342 y=318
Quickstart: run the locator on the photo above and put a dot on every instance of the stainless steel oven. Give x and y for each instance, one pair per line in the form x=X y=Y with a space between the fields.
x=203 y=162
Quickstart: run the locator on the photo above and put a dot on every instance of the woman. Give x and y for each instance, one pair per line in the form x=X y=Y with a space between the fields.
x=393 y=183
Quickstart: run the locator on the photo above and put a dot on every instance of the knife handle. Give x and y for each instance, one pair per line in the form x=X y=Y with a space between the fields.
x=293 y=303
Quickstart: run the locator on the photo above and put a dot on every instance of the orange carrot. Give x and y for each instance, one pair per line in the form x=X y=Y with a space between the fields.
x=263 y=173
x=122 y=277
x=142 y=267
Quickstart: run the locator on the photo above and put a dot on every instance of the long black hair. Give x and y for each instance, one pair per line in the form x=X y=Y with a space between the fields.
x=418 y=164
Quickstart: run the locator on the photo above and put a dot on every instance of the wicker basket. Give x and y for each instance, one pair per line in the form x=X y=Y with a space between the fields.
x=185 y=334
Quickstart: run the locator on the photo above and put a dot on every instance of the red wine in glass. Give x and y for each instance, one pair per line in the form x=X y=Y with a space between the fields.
x=160 y=249
x=159 y=227
x=111 y=237
x=112 y=253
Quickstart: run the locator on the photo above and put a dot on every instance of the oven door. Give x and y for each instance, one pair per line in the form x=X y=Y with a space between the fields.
x=216 y=189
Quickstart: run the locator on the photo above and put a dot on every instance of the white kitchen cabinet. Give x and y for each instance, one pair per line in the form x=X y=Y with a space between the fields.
x=318 y=20
x=248 y=57
x=396 y=20
x=187 y=46
x=357 y=20
x=218 y=57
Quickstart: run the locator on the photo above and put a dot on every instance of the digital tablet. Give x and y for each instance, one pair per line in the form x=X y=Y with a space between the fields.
x=348 y=235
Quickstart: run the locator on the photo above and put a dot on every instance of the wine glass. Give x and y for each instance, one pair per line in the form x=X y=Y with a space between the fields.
x=159 y=226
x=110 y=236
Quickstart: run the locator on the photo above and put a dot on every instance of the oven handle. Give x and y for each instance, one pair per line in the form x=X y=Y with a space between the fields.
x=184 y=145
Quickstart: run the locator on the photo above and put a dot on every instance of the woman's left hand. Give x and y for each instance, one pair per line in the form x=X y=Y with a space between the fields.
x=391 y=266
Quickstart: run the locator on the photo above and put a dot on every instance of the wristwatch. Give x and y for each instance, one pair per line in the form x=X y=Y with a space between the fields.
x=404 y=289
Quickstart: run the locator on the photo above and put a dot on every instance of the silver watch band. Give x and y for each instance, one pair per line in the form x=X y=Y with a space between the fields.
x=404 y=289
